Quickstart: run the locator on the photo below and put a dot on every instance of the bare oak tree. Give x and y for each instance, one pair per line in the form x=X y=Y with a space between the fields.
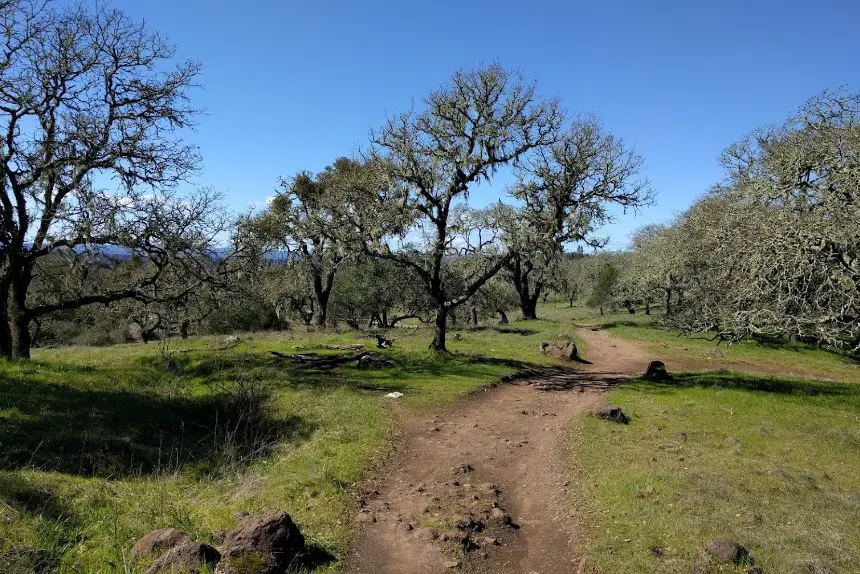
x=481 y=121
x=88 y=100
x=566 y=190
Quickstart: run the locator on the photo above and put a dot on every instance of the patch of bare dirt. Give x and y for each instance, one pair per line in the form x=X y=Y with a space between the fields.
x=483 y=486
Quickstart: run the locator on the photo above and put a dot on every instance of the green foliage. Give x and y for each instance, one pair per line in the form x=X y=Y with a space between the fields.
x=311 y=218
x=604 y=288
x=241 y=315
x=371 y=289
x=774 y=250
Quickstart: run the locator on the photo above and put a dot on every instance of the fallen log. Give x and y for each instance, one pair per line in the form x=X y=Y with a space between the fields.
x=316 y=361
x=329 y=347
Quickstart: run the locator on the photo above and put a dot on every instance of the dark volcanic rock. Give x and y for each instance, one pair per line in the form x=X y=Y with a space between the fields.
x=262 y=543
x=726 y=550
x=188 y=557
x=158 y=542
x=610 y=413
x=656 y=371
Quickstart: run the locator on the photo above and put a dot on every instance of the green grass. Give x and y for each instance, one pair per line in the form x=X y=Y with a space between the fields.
x=698 y=352
x=769 y=462
x=768 y=457
x=100 y=445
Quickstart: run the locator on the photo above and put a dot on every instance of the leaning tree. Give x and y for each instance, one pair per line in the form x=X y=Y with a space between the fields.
x=89 y=101
x=479 y=122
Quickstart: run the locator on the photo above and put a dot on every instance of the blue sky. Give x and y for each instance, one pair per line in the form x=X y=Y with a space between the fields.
x=292 y=85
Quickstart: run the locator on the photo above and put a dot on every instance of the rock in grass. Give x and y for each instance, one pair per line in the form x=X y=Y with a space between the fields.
x=726 y=550
x=189 y=557
x=610 y=413
x=263 y=543
x=565 y=351
x=656 y=371
x=158 y=542
x=373 y=362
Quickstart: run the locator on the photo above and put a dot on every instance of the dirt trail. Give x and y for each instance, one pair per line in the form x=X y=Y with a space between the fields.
x=489 y=476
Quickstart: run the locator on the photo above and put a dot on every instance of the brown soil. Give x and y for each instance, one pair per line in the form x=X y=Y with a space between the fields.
x=482 y=486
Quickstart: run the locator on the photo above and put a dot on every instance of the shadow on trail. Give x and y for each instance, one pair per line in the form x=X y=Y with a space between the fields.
x=574 y=380
x=615 y=324
x=314 y=556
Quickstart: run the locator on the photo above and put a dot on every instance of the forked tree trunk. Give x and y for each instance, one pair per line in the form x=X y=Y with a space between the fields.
x=322 y=292
x=528 y=300
x=528 y=307
x=474 y=316
x=320 y=310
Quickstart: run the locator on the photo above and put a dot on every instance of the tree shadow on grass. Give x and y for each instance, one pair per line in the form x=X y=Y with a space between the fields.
x=59 y=531
x=38 y=500
x=781 y=344
x=497 y=361
x=516 y=331
x=459 y=365
x=738 y=381
x=615 y=324
x=314 y=556
x=503 y=330
x=96 y=431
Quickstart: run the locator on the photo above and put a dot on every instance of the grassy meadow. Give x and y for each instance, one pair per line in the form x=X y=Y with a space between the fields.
x=768 y=460
x=102 y=445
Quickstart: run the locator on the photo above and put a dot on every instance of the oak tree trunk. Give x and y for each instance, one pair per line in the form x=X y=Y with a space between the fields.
x=322 y=292
x=5 y=329
x=19 y=317
x=441 y=328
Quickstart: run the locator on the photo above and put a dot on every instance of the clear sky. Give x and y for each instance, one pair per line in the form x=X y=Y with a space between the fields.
x=291 y=85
